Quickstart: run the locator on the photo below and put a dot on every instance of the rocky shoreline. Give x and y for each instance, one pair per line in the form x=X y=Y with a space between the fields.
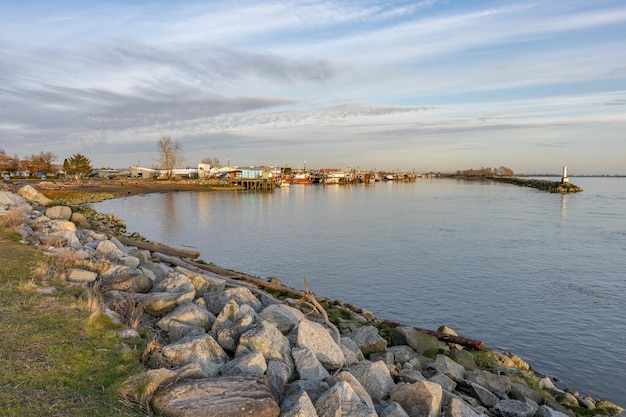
x=220 y=346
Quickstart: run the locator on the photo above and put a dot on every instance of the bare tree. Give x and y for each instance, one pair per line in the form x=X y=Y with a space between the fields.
x=170 y=154
x=213 y=162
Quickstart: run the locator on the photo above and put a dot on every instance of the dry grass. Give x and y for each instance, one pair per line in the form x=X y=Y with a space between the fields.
x=131 y=310
x=13 y=219
x=52 y=266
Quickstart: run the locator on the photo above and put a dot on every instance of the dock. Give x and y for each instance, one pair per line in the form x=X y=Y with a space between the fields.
x=256 y=184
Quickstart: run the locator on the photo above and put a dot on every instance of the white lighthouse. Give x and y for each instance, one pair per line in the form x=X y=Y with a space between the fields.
x=564 y=178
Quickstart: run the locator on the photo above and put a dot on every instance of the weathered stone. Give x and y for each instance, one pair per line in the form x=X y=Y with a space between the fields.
x=284 y=317
x=545 y=411
x=386 y=357
x=29 y=193
x=312 y=387
x=421 y=399
x=80 y=275
x=128 y=334
x=58 y=225
x=317 y=338
x=368 y=340
x=266 y=338
x=202 y=283
x=279 y=373
x=231 y=323
x=307 y=364
x=175 y=282
x=236 y=395
x=422 y=343
x=374 y=377
x=463 y=358
x=492 y=359
x=190 y=314
x=446 y=383
x=141 y=387
x=515 y=408
x=402 y=354
x=298 y=405
x=340 y=400
x=458 y=408
x=482 y=394
x=351 y=352
x=448 y=367
x=108 y=250
x=217 y=300
x=566 y=398
x=394 y=410
x=522 y=393
x=203 y=350
x=357 y=387
x=410 y=376
x=498 y=384
x=80 y=220
x=127 y=279
x=178 y=331
x=158 y=304
x=252 y=363
x=9 y=200
x=59 y=212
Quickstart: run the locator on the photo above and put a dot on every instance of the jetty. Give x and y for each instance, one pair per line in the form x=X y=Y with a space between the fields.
x=543 y=185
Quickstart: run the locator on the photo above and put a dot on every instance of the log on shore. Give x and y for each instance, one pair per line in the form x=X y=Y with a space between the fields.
x=158 y=247
x=448 y=338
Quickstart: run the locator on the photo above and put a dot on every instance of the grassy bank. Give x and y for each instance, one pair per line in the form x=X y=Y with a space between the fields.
x=56 y=358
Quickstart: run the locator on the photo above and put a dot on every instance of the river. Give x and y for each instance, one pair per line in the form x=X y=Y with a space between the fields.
x=542 y=275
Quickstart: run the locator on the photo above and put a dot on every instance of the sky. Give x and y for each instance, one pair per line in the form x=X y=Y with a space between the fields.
x=430 y=86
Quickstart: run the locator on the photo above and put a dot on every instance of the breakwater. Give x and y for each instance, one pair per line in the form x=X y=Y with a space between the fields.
x=206 y=319
x=543 y=185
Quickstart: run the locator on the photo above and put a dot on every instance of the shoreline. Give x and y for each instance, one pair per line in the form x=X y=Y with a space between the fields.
x=137 y=189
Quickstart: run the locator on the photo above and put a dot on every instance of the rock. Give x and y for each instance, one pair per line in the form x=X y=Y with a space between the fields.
x=374 y=377
x=312 y=387
x=545 y=411
x=340 y=400
x=279 y=372
x=566 y=398
x=252 y=363
x=356 y=386
x=29 y=193
x=190 y=314
x=422 y=343
x=523 y=393
x=158 y=304
x=217 y=300
x=447 y=330
x=202 y=283
x=368 y=340
x=231 y=323
x=80 y=275
x=80 y=220
x=298 y=405
x=351 y=352
x=128 y=334
x=463 y=358
x=446 y=383
x=59 y=212
x=317 y=338
x=402 y=354
x=175 y=283
x=445 y=365
x=203 y=350
x=515 y=408
x=127 y=279
x=421 y=399
x=284 y=317
x=394 y=410
x=140 y=388
x=482 y=394
x=307 y=364
x=237 y=395
x=458 y=408
x=267 y=339
x=108 y=250
x=498 y=384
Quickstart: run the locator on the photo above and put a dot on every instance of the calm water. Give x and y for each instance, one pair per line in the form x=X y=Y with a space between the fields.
x=539 y=274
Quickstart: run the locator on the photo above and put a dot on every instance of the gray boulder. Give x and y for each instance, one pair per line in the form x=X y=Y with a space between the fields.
x=108 y=250
x=201 y=282
x=236 y=395
x=402 y=354
x=298 y=405
x=231 y=323
x=317 y=339
x=445 y=365
x=351 y=352
x=252 y=363
x=498 y=384
x=175 y=283
x=307 y=364
x=122 y=278
x=422 y=343
x=515 y=408
x=458 y=408
x=158 y=304
x=59 y=212
x=421 y=399
x=482 y=394
x=368 y=340
x=216 y=301
x=80 y=276
x=202 y=350
x=313 y=388
x=374 y=377
x=341 y=400
x=29 y=193
x=190 y=314
x=356 y=386
x=284 y=317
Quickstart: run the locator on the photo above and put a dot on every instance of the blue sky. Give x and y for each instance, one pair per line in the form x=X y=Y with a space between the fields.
x=425 y=85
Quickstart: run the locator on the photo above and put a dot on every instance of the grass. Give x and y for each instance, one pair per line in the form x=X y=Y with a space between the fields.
x=57 y=358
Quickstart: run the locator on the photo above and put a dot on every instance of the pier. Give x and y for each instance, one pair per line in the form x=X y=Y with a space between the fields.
x=256 y=184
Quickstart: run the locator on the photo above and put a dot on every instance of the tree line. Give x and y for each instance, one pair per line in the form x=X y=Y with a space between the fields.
x=43 y=163
x=485 y=172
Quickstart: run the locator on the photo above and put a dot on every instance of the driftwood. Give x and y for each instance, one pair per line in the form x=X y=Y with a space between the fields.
x=158 y=247
x=449 y=338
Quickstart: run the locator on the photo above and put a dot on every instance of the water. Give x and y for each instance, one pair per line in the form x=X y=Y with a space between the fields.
x=540 y=274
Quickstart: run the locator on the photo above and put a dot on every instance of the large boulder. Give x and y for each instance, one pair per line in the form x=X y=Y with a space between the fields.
x=216 y=300
x=237 y=395
x=368 y=340
x=422 y=343
x=341 y=400
x=421 y=399
x=317 y=339
x=31 y=194
x=202 y=350
x=374 y=377
x=59 y=212
x=284 y=317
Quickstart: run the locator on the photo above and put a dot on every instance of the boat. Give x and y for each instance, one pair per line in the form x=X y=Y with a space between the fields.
x=301 y=179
